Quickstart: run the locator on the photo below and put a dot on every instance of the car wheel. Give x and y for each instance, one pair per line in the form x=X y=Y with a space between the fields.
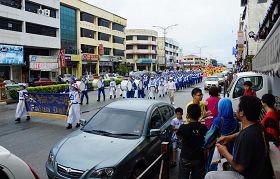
x=136 y=172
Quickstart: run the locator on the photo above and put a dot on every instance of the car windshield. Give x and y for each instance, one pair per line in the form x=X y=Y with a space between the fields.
x=221 y=75
x=117 y=123
x=212 y=79
x=67 y=75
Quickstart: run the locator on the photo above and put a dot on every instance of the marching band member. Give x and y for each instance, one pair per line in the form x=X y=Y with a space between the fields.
x=161 y=87
x=165 y=84
x=141 y=88
x=130 y=88
x=113 y=88
x=69 y=88
x=171 y=89
x=101 y=88
x=152 y=88
x=84 y=89
x=74 y=113
x=21 y=108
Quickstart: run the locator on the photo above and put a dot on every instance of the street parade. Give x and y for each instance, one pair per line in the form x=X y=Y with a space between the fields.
x=139 y=89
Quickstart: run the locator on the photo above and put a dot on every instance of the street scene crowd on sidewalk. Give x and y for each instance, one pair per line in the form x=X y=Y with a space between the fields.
x=84 y=94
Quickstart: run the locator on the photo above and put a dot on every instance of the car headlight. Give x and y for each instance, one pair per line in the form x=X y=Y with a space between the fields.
x=103 y=173
x=51 y=159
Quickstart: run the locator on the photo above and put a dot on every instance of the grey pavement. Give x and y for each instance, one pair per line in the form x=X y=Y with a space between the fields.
x=32 y=140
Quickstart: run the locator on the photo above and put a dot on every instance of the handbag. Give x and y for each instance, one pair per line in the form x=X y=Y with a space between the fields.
x=212 y=135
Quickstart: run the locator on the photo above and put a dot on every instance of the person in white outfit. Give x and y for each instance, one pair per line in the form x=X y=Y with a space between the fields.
x=152 y=88
x=21 y=108
x=161 y=88
x=165 y=84
x=171 y=89
x=74 y=113
x=113 y=88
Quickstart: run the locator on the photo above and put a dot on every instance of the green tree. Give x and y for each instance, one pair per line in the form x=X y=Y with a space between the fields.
x=122 y=69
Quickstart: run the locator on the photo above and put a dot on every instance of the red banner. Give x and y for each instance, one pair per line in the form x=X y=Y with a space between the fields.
x=62 y=58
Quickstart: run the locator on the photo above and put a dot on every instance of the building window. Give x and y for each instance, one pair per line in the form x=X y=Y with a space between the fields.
x=11 y=3
x=166 y=44
x=130 y=37
x=38 y=9
x=129 y=47
x=87 y=17
x=103 y=22
x=118 y=40
x=118 y=27
x=129 y=56
x=40 y=29
x=166 y=52
x=88 y=49
x=87 y=33
x=170 y=45
x=118 y=52
x=154 y=47
x=10 y=24
x=154 y=38
x=143 y=56
x=143 y=47
x=154 y=56
x=68 y=29
x=170 y=53
x=107 y=51
x=103 y=36
x=142 y=37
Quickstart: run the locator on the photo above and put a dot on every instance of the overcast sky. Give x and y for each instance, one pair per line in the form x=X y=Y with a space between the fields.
x=211 y=24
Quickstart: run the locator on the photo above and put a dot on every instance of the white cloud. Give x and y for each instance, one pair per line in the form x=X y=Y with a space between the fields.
x=211 y=23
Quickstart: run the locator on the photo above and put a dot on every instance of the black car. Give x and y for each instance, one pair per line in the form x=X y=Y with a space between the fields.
x=119 y=141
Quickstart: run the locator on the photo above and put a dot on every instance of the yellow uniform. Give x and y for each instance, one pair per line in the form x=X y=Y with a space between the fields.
x=202 y=107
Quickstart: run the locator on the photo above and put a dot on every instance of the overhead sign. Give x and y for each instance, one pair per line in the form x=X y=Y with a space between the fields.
x=10 y=54
x=88 y=56
x=41 y=59
x=47 y=104
x=44 y=66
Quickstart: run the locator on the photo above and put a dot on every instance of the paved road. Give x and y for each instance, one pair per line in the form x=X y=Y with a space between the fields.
x=32 y=141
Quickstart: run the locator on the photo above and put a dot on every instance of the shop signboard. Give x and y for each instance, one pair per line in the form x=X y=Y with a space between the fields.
x=62 y=58
x=43 y=66
x=106 y=63
x=90 y=57
x=144 y=61
x=42 y=59
x=68 y=60
x=10 y=54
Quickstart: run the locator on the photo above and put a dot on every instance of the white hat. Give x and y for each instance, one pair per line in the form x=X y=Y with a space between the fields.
x=75 y=85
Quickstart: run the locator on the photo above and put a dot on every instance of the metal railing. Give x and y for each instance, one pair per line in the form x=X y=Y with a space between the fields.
x=164 y=164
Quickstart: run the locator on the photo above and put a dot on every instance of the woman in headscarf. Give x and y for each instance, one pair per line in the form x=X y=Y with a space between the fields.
x=224 y=124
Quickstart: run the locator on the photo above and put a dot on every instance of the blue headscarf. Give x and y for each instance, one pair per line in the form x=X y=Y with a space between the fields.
x=225 y=110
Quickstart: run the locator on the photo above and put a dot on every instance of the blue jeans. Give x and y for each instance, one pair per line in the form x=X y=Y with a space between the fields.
x=101 y=90
x=84 y=93
x=130 y=94
x=195 y=167
x=141 y=93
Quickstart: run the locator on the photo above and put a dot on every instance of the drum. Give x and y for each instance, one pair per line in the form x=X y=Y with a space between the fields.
x=129 y=86
x=82 y=87
x=140 y=85
x=99 y=84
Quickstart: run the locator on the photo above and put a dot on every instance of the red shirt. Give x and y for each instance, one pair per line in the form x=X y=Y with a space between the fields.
x=250 y=93
x=271 y=125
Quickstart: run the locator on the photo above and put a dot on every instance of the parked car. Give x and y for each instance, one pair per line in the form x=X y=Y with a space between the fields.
x=12 y=166
x=211 y=81
x=43 y=81
x=12 y=84
x=222 y=79
x=119 y=141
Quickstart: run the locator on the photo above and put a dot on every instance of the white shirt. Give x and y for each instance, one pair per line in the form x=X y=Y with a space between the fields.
x=177 y=123
x=171 y=85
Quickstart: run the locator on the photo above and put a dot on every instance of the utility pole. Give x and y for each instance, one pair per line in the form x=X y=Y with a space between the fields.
x=164 y=39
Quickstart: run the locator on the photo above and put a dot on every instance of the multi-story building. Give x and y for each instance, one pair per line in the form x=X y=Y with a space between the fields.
x=254 y=12
x=190 y=61
x=168 y=52
x=93 y=39
x=29 y=39
x=141 y=49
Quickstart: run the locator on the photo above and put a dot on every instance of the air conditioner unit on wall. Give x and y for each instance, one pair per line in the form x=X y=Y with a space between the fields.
x=47 y=12
x=40 y=11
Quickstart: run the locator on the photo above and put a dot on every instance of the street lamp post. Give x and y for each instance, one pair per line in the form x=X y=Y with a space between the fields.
x=164 y=37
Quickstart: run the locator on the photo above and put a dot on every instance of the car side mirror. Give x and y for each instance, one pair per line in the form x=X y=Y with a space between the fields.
x=83 y=122
x=154 y=132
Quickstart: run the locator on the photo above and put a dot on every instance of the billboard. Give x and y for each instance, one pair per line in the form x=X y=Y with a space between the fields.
x=10 y=54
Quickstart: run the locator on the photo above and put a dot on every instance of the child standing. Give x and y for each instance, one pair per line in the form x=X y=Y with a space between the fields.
x=175 y=124
x=192 y=135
